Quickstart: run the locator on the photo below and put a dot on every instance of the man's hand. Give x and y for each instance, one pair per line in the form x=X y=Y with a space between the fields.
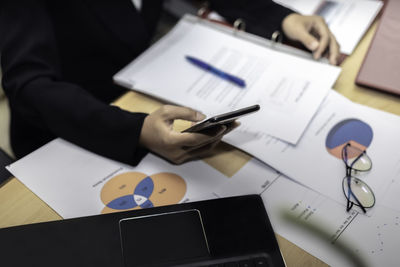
x=313 y=33
x=158 y=135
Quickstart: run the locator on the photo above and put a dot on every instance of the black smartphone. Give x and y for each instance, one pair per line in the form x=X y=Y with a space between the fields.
x=222 y=119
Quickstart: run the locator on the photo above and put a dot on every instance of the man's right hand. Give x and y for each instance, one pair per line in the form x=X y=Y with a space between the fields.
x=158 y=135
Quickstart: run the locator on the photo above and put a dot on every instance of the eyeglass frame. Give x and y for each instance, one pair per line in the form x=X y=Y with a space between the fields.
x=348 y=176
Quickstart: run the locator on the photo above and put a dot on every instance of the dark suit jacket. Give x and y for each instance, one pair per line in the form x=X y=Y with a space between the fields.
x=58 y=59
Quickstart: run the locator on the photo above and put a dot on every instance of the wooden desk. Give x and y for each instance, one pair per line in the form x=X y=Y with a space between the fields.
x=18 y=205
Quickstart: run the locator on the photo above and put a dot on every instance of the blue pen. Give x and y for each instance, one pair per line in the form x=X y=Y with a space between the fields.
x=236 y=80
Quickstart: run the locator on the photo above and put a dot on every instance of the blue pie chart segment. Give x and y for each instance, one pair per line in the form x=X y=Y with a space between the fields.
x=147 y=204
x=145 y=187
x=122 y=203
x=353 y=131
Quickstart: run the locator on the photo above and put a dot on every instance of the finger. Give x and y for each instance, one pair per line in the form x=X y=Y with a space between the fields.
x=334 y=51
x=307 y=39
x=179 y=157
x=214 y=130
x=211 y=138
x=189 y=140
x=174 y=112
x=229 y=127
x=324 y=36
x=205 y=144
x=232 y=126
x=205 y=151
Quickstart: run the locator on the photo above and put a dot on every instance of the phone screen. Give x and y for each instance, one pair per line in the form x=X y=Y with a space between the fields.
x=161 y=239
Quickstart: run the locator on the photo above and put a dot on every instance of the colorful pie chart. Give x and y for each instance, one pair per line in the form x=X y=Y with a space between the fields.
x=136 y=190
x=353 y=131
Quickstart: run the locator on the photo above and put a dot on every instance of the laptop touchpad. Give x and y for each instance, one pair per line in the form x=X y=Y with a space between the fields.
x=163 y=239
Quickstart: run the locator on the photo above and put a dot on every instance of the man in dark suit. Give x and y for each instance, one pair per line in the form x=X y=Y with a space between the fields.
x=58 y=59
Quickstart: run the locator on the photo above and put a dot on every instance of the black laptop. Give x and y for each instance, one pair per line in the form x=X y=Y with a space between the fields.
x=223 y=232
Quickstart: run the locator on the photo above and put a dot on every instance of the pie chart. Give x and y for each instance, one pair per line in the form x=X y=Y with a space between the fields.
x=136 y=190
x=356 y=132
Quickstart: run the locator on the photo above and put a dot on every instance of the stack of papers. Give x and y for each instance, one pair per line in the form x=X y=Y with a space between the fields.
x=288 y=88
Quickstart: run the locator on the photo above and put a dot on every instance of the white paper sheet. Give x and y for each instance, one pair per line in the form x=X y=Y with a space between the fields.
x=75 y=182
x=318 y=224
x=312 y=163
x=289 y=89
x=347 y=19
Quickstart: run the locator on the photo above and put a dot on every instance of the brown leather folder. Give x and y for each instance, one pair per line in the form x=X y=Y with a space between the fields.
x=381 y=66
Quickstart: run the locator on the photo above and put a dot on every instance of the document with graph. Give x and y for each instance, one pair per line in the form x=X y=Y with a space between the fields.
x=317 y=161
x=288 y=88
x=79 y=183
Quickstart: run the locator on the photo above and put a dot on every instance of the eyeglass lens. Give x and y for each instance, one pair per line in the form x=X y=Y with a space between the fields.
x=356 y=158
x=360 y=190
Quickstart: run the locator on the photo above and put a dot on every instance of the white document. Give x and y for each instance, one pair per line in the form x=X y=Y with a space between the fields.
x=318 y=224
x=316 y=160
x=347 y=19
x=288 y=88
x=75 y=182
x=323 y=228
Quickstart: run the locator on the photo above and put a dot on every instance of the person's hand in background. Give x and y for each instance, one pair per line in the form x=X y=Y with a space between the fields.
x=158 y=135
x=313 y=33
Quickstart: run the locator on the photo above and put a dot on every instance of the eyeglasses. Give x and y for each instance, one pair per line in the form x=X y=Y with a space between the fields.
x=356 y=191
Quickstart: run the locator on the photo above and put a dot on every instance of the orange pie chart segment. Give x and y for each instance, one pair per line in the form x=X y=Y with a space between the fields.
x=169 y=188
x=356 y=132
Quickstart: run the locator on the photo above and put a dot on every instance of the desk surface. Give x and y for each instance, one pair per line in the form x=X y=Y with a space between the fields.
x=18 y=205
